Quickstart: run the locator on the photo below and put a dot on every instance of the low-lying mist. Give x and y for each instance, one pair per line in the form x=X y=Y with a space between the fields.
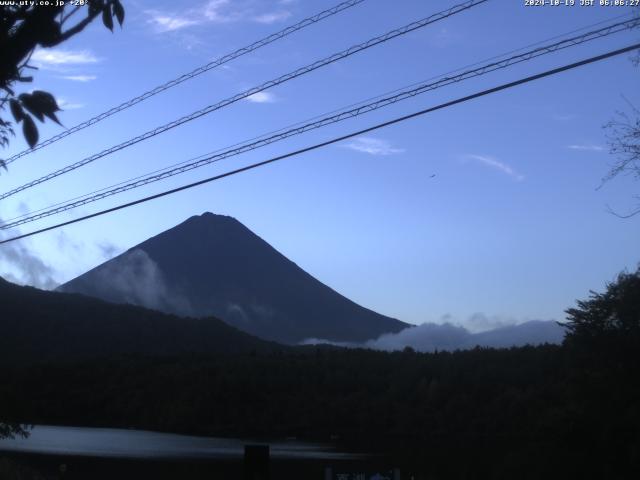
x=430 y=337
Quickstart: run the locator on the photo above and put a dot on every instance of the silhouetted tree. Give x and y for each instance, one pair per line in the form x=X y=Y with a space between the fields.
x=23 y=28
x=624 y=144
x=608 y=317
x=11 y=430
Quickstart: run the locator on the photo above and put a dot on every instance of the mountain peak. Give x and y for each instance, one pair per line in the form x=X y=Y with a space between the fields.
x=213 y=265
x=214 y=216
x=209 y=217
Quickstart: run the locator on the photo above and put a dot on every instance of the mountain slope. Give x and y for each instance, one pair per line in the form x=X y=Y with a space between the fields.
x=214 y=265
x=42 y=326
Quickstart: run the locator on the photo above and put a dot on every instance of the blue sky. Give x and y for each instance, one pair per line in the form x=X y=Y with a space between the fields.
x=511 y=227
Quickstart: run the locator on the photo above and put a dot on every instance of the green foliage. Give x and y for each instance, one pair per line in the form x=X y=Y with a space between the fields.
x=24 y=27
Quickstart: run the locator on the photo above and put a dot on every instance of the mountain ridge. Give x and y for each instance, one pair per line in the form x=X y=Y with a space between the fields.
x=42 y=326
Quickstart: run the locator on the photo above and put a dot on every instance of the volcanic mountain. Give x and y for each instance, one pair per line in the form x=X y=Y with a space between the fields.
x=212 y=265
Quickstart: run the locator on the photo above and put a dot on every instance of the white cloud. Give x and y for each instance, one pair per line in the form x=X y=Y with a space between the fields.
x=66 y=105
x=586 y=147
x=213 y=11
x=56 y=57
x=373 y=146
x=273 y=17
x=19 y=265
x=261 y=97
x=429 y=337
x=491 y=162
x=168 y=23
x=80 y=78
x=480 y=322
x=217 y=11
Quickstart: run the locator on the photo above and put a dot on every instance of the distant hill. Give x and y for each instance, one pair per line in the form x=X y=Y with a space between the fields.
x=42 y=326
x=429 y=337
x=212 y=265
x=535 y=332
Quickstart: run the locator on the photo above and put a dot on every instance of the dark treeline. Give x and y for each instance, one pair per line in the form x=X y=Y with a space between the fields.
x=42 y=327
x=519 y=413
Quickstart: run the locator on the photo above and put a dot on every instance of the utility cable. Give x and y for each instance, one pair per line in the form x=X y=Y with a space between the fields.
x=188 y=76
x=252 y=91
x=322 y=122
x=335 y=140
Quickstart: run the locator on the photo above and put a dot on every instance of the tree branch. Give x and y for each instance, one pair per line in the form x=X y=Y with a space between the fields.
x=78 y=27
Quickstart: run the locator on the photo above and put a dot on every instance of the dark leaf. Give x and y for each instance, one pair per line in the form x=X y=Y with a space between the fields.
x=107 y=19
x=40 y=103
x=46 y=101
x=16 y=109
x=30 y=131
x=53 y=117
x=94 y=7
x=32 y=105
x=25 y=79
x=118 y=11
x=3 y=164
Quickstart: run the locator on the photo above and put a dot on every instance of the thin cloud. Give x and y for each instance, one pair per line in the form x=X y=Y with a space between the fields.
x=273 y=17
x=80 y=78
x=213 y=11
x=262 y=97
x=373 y=146
x=430 y=337
x=586 y=147
x=492 y=162
x=59 y=57
x=564 y=117
x=108 y=250
x=217 y=11
x=444 y=38
x=168 y=23
x=66 y=105
x=19 y=265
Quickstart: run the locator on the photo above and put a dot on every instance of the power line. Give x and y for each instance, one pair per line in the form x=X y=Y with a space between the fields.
x=336 y=139
x=271 y=83
x=324 y=121
x=302 y=122
x=194 y=73
x=360 y=103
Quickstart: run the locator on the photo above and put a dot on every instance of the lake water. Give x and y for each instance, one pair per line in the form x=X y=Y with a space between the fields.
x=109 y=442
